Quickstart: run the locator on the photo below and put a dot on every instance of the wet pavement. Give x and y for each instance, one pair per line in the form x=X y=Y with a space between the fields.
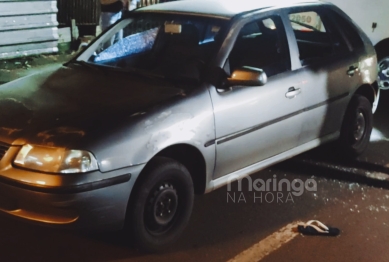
x=356 y=197
x=352 y=195
x=20 y=67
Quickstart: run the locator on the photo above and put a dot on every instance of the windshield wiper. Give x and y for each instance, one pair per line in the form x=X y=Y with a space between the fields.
x=120 y=69
x=140 y=72
x=183 y=80
x=85 y=64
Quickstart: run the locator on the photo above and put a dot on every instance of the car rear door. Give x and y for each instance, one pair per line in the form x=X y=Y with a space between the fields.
x=328 y=72
x=254 y=123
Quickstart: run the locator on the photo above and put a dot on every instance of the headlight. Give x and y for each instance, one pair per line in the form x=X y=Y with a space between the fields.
x=55 y=160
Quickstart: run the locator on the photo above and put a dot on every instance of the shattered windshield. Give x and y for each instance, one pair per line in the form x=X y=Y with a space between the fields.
x=166 y=45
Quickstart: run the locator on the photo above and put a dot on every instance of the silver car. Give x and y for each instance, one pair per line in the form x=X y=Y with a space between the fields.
x=176 y=99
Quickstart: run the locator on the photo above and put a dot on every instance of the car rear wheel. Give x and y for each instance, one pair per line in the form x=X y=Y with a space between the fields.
x=382 y=50
x=357 y=126
x=383 y=73
x=162 y=204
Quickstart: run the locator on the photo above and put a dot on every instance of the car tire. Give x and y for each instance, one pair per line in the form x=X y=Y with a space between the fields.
x=161 y=206
x=357 y=126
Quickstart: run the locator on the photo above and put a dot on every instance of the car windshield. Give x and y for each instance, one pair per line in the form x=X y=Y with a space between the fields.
x=172 y=46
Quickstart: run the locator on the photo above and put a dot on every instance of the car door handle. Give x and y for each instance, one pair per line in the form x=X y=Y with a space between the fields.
x=292 y=92
x=352 y=69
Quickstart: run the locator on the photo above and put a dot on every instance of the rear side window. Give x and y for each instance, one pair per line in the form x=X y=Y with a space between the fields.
x=307 y=21
x=316 y=37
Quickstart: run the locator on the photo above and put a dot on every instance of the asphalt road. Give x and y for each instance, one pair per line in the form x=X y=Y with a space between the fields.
x=351 y=195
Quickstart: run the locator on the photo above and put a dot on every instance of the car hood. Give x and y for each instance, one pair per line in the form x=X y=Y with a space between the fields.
x=61 y=106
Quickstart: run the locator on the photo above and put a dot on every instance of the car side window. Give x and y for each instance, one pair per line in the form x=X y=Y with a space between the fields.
x=316 y=36
x=261 y=44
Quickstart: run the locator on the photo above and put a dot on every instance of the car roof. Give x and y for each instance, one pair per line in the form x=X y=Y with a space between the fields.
x=219 y=8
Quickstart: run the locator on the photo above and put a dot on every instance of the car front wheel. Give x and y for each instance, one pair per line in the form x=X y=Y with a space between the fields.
x=357 y=126
x=161 y=205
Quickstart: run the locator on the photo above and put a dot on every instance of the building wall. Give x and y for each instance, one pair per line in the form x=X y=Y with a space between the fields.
x=28 y=28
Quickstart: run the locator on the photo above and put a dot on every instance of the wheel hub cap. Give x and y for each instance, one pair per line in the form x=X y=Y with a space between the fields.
x=383 y=74
x=360 y=126
x=164 y=205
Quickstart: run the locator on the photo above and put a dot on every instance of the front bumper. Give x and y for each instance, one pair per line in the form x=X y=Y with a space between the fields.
x=94 y=200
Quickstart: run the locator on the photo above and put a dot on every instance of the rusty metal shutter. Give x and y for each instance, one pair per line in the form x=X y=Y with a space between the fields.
x=28 y=28
x=85 y=12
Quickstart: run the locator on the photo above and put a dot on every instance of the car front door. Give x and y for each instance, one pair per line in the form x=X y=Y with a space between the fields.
x=254 y=123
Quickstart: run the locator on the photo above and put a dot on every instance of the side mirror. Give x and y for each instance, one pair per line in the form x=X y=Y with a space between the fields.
x=248 y=76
